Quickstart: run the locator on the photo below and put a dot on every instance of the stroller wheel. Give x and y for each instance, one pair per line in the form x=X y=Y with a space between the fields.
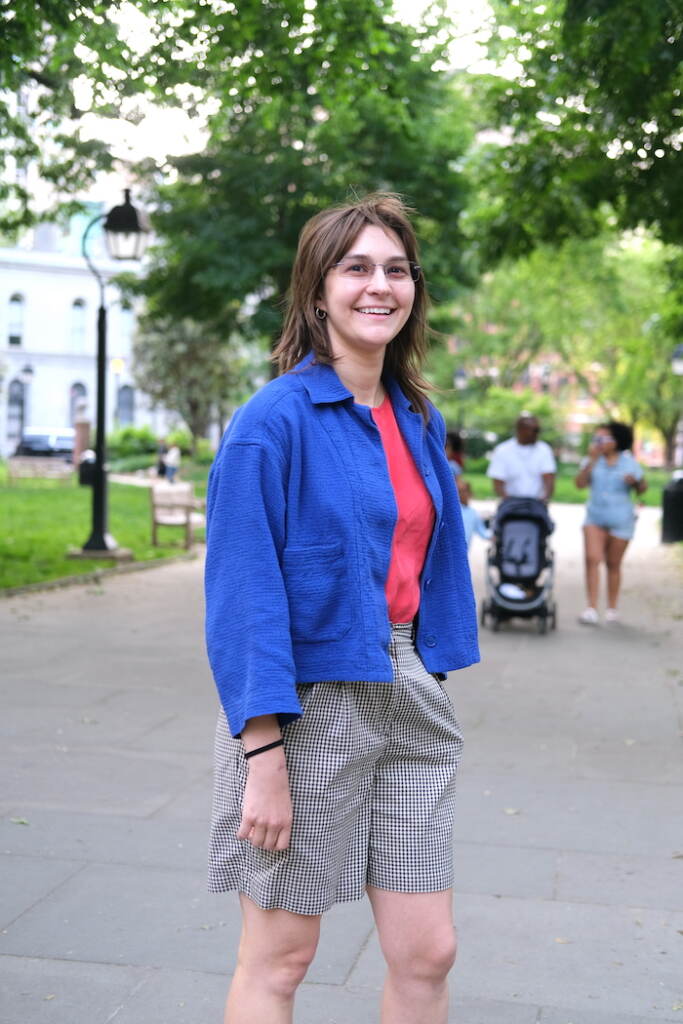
x=495 y=624
x=542 y=624
x=553 y=617
x=483 y=611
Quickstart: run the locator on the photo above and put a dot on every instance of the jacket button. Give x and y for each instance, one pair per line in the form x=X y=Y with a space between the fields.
x=430 y=640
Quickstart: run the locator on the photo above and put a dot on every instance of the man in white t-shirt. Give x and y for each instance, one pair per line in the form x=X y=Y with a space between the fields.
x=523 y=466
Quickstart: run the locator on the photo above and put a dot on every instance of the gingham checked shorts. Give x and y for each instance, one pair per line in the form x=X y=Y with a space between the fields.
x=372 y=770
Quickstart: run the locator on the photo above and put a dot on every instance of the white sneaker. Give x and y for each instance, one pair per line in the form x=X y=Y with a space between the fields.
x=589 y=617
x=611 y=615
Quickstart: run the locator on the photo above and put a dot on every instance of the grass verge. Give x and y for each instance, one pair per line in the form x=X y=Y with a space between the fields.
x=41 y=519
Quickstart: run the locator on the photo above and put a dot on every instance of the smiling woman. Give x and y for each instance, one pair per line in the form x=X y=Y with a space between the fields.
x=332 y=520
x=367 y=296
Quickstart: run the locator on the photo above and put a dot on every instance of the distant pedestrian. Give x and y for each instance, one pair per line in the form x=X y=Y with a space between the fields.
x=162 y=448
x=471 y=519
x=612 y=474
x=523 y=466
x=455 y=453
x=172 y=462
x=337 y=593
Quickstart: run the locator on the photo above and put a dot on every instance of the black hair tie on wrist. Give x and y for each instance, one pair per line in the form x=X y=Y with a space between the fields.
x=262 y=750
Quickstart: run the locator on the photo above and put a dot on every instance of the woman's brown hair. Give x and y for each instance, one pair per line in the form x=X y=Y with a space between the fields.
x=324 y=239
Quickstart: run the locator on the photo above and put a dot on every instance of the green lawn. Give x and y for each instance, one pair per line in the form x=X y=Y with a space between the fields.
x=41 y=519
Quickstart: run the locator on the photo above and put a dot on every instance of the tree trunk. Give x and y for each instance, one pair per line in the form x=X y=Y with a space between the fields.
x=670 y=447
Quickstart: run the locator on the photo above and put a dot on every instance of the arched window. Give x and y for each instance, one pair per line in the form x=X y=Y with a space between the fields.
x=126 y=323
x=78 y=312
x=15 y=413
x=125 y=406
x=77 y=395
x=15 y=331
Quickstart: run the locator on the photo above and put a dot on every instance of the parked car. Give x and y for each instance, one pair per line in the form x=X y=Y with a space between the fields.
x=47 y=441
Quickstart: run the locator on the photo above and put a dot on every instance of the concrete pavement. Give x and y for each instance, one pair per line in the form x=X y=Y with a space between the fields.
x=569 y=846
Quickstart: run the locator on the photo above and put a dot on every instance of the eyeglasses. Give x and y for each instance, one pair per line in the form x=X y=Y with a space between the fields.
x=357 y=268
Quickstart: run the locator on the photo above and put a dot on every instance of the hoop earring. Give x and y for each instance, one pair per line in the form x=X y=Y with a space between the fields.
x=321 y=314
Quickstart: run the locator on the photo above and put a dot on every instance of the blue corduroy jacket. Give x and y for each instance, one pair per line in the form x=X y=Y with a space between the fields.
x=300 y=518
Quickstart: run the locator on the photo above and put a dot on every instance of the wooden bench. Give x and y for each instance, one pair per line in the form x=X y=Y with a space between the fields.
x=174 y=504
x=32 y=467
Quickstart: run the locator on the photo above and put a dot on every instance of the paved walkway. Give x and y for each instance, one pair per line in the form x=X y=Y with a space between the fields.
x=570 y=825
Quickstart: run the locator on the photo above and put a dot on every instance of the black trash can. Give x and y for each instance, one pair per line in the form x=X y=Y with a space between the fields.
x=672 y=510
x=86 y=468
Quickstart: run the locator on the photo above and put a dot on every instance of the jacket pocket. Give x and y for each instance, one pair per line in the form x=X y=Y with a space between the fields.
x=317 y=584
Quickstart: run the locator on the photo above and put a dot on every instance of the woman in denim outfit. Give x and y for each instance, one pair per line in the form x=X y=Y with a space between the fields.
x=612 y=474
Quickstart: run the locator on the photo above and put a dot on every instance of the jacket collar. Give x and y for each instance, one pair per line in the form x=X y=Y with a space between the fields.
x=321 y=382
x=324 y=386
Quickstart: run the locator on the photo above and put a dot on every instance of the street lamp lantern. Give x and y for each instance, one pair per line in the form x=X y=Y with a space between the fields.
x=677 y=360
x=126 y=232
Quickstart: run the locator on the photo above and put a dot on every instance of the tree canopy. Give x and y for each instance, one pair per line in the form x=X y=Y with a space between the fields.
x=182 y=367
x=47 y=49
x=596 y=313
x=590 y=115
x=337 y=99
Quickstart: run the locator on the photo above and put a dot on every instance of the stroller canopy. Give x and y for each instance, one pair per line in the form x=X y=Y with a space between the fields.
x=523 y=508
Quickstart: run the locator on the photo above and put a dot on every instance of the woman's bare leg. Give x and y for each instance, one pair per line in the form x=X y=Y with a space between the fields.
x=595 y=542
x=276 y=948
x=418 y=939
x=614 y=555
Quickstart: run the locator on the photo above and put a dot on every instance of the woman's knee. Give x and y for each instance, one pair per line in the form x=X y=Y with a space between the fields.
x=281 y=972
x=277 y=947
x=287 y=971
x=427 y=962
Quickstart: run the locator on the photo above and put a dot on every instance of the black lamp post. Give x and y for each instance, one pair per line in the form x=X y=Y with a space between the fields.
x=126 y=232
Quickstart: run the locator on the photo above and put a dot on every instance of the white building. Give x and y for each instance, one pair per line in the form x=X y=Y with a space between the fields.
x=48 y=335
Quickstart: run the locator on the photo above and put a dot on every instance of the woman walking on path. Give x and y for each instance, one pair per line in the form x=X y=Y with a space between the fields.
x=612 y=473
x=338 y=593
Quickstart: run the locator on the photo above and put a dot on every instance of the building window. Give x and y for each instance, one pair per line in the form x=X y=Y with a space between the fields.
x=16 y=320
x=77 y=396
x=78 y=325
x=15 y=413
x=125 y=406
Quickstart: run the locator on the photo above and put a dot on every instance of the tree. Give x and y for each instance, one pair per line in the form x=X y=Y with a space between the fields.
x=189 y=369
x=484 y=405
x=597 y=312
x=371 y=114
x=48 y=49
x=109 y=57
x=591 y=122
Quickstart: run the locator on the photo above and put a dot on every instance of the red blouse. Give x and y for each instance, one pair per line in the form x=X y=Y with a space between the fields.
x=415 y=519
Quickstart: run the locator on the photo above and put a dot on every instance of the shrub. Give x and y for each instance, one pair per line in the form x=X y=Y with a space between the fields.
x=131 y=463
x=128 y=441
x=182 y=437
x=205 y=454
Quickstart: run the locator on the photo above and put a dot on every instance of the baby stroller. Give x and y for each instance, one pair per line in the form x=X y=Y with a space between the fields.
x=519 y=568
